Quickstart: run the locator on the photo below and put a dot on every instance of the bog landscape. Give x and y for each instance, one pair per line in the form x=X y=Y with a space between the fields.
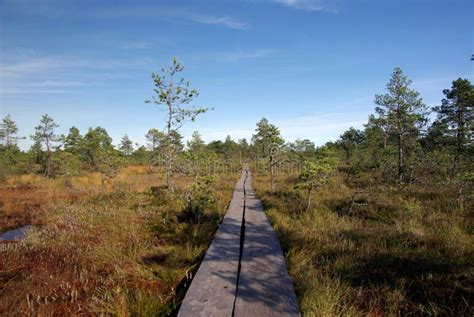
x=241 y=207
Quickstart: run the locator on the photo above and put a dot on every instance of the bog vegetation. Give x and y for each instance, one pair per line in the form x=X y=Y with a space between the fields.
x=378 y=222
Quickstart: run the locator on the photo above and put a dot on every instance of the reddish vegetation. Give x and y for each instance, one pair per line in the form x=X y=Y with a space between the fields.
x=25 y=205
x=120 y=251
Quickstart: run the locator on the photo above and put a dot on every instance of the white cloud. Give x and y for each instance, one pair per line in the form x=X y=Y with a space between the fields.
x=236 y=134
x=62 y=9
x=27 y=67
x=239 y=55
x=53 y=83
x=235 y=55
x=309 y=5
x=222 y=21
x=177 y=13
x=319 y=128
x=33 y=66
x=136 y=45
x=439 y=83
x=53 y=74
x=42 y=87
x=25 y=90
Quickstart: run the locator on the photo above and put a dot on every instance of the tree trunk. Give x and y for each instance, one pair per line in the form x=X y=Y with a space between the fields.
x=272 y=173
x=459 y=138
x=48 y=160
x=169 y=159
x=308 y=199
x=196 y=171
x=400 y=130
x=150 y=169
x=401 y=164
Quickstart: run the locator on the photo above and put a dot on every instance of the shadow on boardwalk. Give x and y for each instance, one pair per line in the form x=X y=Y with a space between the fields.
x=244 y=271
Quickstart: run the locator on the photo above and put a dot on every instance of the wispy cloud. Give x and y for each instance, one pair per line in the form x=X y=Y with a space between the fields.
x=52 y=74
x=44 y=65
x=320 y=127
x=438 y=81
x=236 y=134
x=235 y=55
x=136 y=45
x=179 y=13
x=309 y=5
x=25 y=91
x=240 y=55
x=25 y=67
x=225 y=21
x=42 y=87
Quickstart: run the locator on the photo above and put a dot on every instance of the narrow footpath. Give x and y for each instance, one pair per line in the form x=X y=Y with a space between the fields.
x=244 y=271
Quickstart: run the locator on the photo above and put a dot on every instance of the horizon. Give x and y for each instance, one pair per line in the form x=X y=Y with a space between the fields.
x=88 y=64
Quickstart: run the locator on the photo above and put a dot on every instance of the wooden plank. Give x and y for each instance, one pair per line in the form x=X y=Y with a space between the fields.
x=265 y=288
x=212 y=291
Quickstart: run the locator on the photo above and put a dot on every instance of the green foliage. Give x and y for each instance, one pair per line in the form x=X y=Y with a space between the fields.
x=155 y=139
x=46 y=137
x=267 y=138
x=66 y=164
x=73 y=141
x=300 y=150
x=457 y=111
x=313 y=175
x=96 y=141
x=350 y=140
x=10 y=161
x=140 y=156
x=268 y=142
x=197 y=155
x=109 y=162
x=126 y=146
x=401 y=113
x=401 y=109
x=8 y=132
x=175 y=96
x=199 y=198
x=453 y=129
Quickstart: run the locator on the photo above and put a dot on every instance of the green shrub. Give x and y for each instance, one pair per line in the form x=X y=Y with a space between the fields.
x=199 y=198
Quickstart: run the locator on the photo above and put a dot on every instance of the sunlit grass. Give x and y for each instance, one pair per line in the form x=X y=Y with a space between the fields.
x=405 y=252
x=119 y=251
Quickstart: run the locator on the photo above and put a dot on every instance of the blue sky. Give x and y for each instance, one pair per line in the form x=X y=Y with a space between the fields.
x=312 y=67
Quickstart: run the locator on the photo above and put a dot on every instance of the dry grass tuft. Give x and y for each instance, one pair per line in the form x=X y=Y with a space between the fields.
x=402 y=252
x=120 y=251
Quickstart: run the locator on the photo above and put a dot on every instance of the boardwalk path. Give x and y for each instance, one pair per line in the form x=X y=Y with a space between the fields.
x=244 y=271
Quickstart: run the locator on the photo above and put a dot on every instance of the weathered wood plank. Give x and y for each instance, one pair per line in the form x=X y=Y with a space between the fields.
x=212 y=291
x=265 y=288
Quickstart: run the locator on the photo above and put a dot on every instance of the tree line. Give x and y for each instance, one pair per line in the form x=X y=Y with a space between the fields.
x=403 y=143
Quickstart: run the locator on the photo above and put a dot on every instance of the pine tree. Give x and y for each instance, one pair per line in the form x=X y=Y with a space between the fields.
x=269 y=143
x=455 y=117
x=403 y=113
x=174 y=95
x=126 y=146
x=45 y=136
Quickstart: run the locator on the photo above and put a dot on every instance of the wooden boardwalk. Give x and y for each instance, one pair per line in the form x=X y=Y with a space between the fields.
x=244 y=271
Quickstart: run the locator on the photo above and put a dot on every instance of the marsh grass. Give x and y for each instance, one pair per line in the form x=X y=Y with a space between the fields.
x=403 y=252
x=118 y=251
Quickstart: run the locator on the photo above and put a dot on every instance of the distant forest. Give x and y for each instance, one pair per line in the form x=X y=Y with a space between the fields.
x=398 y=144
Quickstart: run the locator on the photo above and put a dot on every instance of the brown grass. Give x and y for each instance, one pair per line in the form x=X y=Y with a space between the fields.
x=120 y=250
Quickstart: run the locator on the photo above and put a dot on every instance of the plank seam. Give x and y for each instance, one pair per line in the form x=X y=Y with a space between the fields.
x=242 y=239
